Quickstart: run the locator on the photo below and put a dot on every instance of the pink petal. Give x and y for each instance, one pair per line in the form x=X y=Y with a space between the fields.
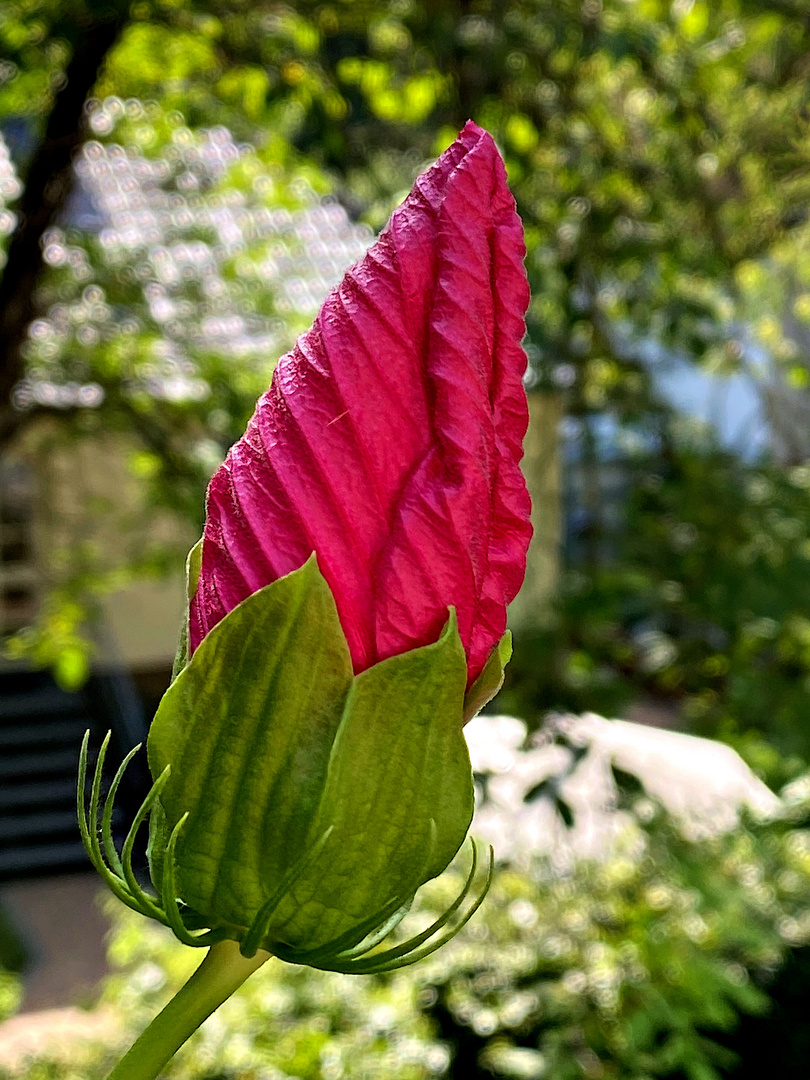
x=390 y=438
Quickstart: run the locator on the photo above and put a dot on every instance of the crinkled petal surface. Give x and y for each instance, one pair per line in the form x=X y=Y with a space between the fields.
x=390 y=439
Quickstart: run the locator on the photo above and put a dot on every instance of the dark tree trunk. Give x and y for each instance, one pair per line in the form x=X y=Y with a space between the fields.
x=48 y=186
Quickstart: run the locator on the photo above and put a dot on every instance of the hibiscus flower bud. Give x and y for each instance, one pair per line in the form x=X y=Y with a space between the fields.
x=348 y=601
x=390 y=439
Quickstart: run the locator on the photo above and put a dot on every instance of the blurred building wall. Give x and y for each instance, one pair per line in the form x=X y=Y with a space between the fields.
x=88 y=509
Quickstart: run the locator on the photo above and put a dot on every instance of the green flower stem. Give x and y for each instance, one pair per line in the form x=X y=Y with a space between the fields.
x=223 y=970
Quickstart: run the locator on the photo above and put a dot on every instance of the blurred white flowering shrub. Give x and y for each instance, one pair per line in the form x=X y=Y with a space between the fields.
x=631 y=947
x=188 y=260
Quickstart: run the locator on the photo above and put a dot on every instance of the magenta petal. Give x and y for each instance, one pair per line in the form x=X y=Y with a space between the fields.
x=390 y=438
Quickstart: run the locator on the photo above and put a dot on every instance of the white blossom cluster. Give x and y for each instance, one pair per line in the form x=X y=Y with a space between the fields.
x=523 y=783
x=9 y=190
x=199 y=251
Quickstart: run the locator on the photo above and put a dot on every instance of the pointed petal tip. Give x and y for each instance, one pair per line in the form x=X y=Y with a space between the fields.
x=419 y=350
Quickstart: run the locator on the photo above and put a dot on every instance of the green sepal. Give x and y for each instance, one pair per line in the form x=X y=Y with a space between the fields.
x=193 y=567
x=489 y=682
x=159 y=835
x=274 y=746
x=339 y=954
x=248 y=727
x=399 y=794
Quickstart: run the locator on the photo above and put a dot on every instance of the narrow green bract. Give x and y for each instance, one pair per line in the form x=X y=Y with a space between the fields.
x=489 y=682
x=348 y=791
x=193 y=566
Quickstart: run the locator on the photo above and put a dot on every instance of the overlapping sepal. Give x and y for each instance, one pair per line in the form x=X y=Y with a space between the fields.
x=296 y=807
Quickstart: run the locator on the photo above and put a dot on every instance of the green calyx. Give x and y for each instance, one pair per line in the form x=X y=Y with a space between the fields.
x=297 y=808
x=193 y=567
x=489 y=682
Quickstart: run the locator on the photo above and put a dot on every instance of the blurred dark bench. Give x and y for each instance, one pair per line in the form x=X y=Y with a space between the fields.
x=41 y=729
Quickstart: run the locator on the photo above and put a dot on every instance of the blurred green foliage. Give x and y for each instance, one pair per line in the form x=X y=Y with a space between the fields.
x=659 y=156
x=702 y=603
x=10 y=994
x=642 y=966
x=13 y=958
x=658 y=152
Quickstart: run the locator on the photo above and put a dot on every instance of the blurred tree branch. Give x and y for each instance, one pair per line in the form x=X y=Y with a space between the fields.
x=48 y=185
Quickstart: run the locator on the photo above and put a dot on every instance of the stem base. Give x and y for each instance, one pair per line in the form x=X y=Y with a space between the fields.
x=223 y=971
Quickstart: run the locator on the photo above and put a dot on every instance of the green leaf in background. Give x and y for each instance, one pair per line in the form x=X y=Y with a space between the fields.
x=285 y=763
